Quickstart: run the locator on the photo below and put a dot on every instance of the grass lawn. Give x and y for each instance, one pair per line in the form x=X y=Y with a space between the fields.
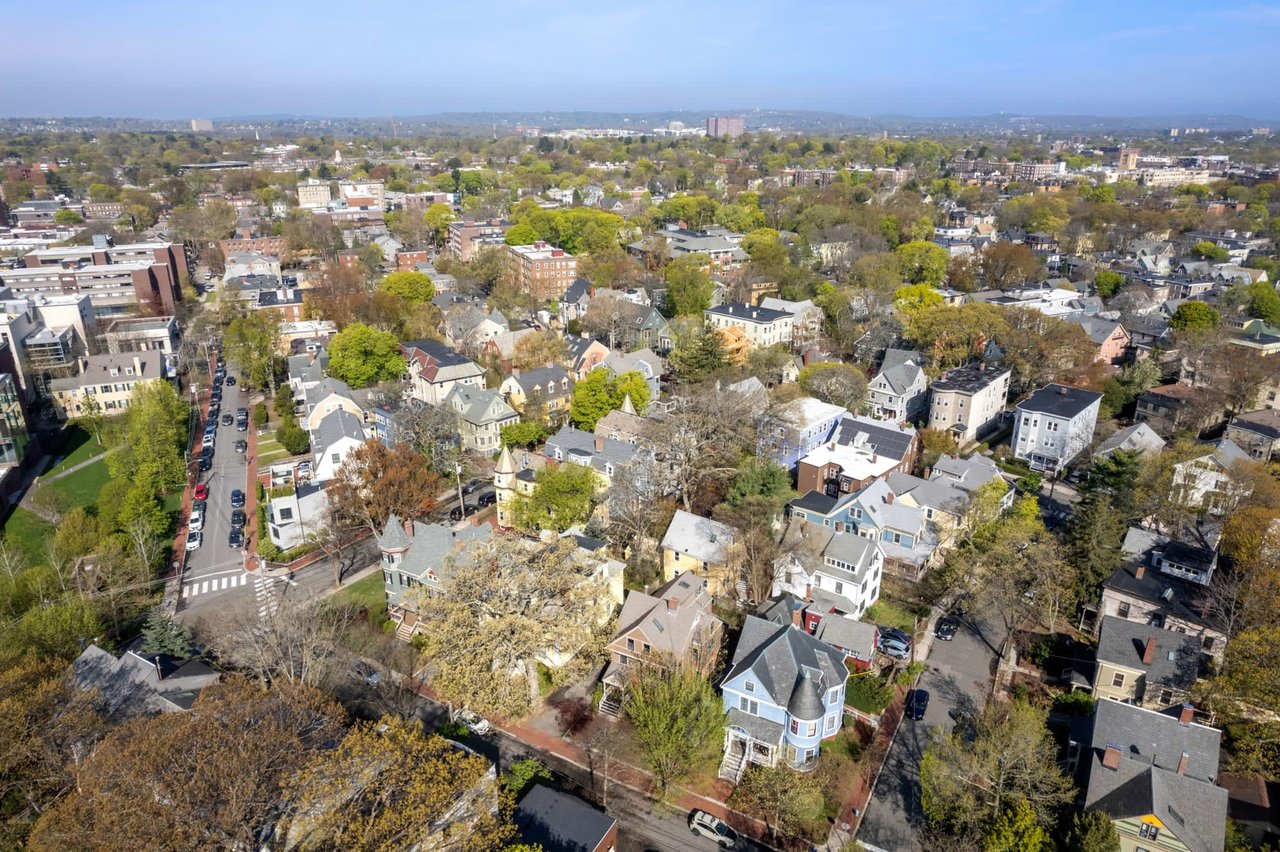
x=884 y=613
x=29 y=532
x=270 y=450
x=367 y=593
x=83 y=486
x=79 y=446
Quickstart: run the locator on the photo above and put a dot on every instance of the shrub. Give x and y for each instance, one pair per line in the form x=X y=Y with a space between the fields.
x=452 y=730
x=260 y=415
x=869 y=693
x=1074 y=703
x=524 y=774
x=573 y=715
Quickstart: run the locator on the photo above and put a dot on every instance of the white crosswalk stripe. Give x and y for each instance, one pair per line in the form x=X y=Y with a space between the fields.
x=266 y=593
x=216 y=584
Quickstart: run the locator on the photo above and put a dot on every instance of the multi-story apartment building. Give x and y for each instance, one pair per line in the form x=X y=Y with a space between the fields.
x=109 y=379
x=762 y=326
x=541 y=270
x=968 y=400
x=721 y=246
x=467 y=238
x=314 y=193
x=46 y=336
x=1054 y=425
x=134 y=278
x=355 y=192
x=723 y=125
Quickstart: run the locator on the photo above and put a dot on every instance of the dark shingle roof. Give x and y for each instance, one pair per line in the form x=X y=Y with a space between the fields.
x=1174 y=664
x=1059 y=401
x=559 y=822
x=884 y=438
x=777 y=656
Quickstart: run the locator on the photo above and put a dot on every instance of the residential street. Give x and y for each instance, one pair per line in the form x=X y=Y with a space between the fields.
x=958 y=681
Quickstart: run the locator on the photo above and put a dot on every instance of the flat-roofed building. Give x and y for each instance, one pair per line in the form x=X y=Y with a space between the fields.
x=541 y=270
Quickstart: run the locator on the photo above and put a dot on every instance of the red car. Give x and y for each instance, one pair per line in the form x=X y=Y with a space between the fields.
x=201 y=492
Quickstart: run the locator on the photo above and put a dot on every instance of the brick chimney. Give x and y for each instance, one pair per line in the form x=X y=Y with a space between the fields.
x=1140 y=571
x=1149 y=651
x=1111 y=756
x=1187 y=714
x=673 y=605
x=408 y=527
x=797 y=618
x=1182 y=763
x=888 y=497
x=599 y=443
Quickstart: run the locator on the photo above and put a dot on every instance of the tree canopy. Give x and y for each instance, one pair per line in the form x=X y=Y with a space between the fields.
x=413 y=287
x=361 y=356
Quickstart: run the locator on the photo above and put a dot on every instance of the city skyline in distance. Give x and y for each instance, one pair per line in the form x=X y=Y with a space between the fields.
x=911 y=58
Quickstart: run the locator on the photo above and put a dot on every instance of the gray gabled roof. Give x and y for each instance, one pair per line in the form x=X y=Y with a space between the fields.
x=701 y=538
x=581 y=447
x=1139 y=436
x=430 y=546
x=327 y=387
x=886 y=439
x=559 y=822
x=335 y=426
x=1174 y=664
x=479 y=406
x=777 y=655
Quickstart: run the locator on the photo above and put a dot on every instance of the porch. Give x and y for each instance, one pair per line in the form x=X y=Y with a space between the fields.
x=747 y=740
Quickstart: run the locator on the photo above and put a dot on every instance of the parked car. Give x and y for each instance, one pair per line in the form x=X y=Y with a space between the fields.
x=947 y=627
x=196 y=521
x=237 y=498
x=458 y=512
x=236 y=539
x=238 y=518
x=195 y=538
x=201 y=492
x=366 y=672
x=891 y=646
x=242 y=446
x=487 y=499
x=917 y=703
x=231 y=380
x=201 y=506
x=242 y=424
x=208 y=440
x=227 y=420
x=713 y=828
x=472 y=487
x=473 y=722
x=206 y=464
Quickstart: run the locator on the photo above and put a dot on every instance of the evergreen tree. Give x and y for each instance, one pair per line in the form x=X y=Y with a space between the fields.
x=1017 y=829
x=1091 y=831
x=163 y=635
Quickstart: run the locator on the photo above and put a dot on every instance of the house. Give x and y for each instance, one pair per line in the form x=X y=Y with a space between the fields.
x=859 y=451
x=333 y=438
x=1205 y=481
x=544 y=392
x=1171 y=408
x=623 y=424
x=797 y=428
x=761 y=326
x=295 y=518
x=899 y=393
x=421 y=555
x=469 y=325
x=434 y=369
x=968 y=401
x=646 y=362
x=138 y=684
x=306 y=370
x=720 y=246
x=1144 y=665
x=1109 y=336
x=1256 y=432
x=784 y=695
x=558 y=822
x=481 y=415
x=109 y=380
x=606 y=456
x=1139 y=438
x=905 y=533
x=252 y=263
x=326 y=397
x=807 y=324
x=673 y=626
x=1054 y=425
x=573 y=305
x=701 y=546
x=838 y=573
x=585 y=354
x=1160 y=585
x=1253 y=804
x=628 y=325
x=1153 y=774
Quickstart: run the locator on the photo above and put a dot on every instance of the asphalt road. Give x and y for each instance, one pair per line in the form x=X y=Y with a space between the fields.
x=958 y=680
x=217 y=569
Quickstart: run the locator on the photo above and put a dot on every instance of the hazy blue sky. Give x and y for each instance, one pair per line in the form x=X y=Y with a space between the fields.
x=148 y=58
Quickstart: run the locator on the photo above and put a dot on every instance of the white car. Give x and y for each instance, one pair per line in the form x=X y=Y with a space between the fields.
x=194 y=540
x=208 y=440
x=712 y=828
x=196 y=524
x=474 y=722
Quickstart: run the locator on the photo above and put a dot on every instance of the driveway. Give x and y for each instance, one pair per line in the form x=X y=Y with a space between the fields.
x=958 y=681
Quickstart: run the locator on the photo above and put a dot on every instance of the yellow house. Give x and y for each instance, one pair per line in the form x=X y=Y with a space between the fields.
x=1144 y=665
x=701 y=547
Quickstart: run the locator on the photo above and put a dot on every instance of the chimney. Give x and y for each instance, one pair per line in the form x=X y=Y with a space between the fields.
x=1149 y=651
x=1182 y=763
x=797 y=618
x=599 y=443
x=155 y=661
x=673 y=605
x=1140 y=571
x=1187 y=714
x=137 y=366
x=888 y=497
x=1062 y=391
x=1111 y=756
x=408 y=527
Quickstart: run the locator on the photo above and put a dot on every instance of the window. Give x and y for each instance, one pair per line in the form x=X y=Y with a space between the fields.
x=1122 y=609
x=1166 y=696
x=813 y=729
x=645 y=648
x=631 y=644
x=795 y=726
x=748 y=705
x=831 y=723
x=1148 y=831
x=833 y=695
x=749 y=686
x=1117 y=679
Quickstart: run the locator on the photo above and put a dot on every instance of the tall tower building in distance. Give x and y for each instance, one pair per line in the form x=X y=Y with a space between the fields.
x=721 y=125
x=201 y=125
x=1129 y=159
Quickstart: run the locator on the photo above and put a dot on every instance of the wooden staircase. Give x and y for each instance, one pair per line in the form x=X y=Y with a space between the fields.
x=404 y=630
x=731 y=768
x=611 y=702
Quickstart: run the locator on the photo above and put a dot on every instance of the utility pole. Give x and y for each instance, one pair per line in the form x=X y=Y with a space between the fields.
x=462 y=507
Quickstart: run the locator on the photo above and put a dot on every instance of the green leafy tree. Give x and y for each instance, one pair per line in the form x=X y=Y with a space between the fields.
x=147 y=448
x=523 y=434
x=1264 y=302
x=67 y=217
x=600 y=392
x=1108 y=283
x=1017 y=829
x=835 y=383
x=437 y=218
x=413 y=287
x=522 y=234
x=922 y=262
x=1210 y=251
x=698 y=356
x=760 y=480
x=562 y=497
x=678 y=721
x=361 y=355
x=162 y=634
x=915 y=297
x=1091 y=831
x=250 y=343
x=783 y=799
x=1195 y=316
x=91 y=418
x=689 y=287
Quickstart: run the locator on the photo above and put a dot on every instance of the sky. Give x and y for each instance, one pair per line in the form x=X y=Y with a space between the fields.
x=152 y=59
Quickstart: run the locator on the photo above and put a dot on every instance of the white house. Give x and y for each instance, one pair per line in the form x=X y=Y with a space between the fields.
x=808 y=320
x=900 y=391
x=968 y=400
x=1205 y=480
x=338 y=434
x=762 y=326
x=839 y=572
x=1053 y=425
